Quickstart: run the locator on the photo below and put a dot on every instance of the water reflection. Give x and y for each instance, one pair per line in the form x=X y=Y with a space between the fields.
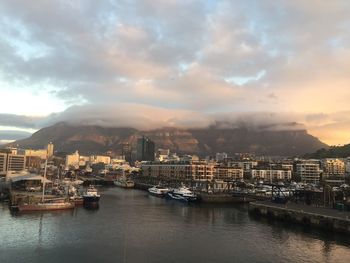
x=131 y=226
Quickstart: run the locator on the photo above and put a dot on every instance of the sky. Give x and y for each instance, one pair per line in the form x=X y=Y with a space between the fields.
x=155 y=63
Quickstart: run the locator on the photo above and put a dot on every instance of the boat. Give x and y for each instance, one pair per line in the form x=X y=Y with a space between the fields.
x=158 y=190
x=77 y=200
x=183 y=193
x=46 y=204
x=124 y=183
x=91 y=197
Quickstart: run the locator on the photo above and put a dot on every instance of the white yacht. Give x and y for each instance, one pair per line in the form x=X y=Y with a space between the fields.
x=158 y=190
x=183 y=193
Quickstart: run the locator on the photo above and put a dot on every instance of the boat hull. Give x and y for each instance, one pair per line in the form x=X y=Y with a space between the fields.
x=157 y=194
x=45 y=207
x=182 y=198
x=124 y=184
x=91 y=201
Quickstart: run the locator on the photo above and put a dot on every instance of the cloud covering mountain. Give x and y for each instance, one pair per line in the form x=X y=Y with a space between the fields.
x=188 y=63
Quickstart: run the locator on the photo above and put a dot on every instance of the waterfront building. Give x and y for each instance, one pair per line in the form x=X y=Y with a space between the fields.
x=177 y=170
x=191 y=170
x=228 y=173
x=145 y=149
x=308 y=171
x=333 y=168
x=271 y=175
x=203 y=170
x=247 y=166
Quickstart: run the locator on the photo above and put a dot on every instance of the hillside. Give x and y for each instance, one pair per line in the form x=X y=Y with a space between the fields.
x=331 y=152
x=96 y=139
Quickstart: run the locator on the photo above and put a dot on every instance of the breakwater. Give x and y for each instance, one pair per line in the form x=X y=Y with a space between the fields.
x=320 y=217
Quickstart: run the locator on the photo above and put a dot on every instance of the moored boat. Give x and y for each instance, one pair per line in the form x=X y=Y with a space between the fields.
x=158 y=190
x=46 y=206
x=91 y=197
x=183 y=193
x=124 y=183
x=77 y=200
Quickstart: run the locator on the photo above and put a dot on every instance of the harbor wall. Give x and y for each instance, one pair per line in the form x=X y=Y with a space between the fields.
x=301 y=216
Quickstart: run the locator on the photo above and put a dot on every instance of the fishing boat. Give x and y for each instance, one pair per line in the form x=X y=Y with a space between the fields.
x=158 y=190
x=91 y=197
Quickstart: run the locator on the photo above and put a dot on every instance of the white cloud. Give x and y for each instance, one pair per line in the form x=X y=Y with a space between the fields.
x=201 y=58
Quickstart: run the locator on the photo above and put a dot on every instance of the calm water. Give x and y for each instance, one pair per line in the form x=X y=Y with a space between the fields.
x=131 y=226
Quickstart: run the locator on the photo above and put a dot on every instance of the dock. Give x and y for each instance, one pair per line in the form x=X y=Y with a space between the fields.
x=321 y=217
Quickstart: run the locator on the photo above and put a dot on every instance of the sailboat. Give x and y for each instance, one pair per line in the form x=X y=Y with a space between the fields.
x=46 y=204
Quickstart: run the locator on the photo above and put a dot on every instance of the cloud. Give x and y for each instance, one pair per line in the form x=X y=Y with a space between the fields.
x=278 y=65
x=21 y=121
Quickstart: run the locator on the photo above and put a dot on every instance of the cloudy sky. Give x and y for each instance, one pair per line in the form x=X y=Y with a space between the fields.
x=153 y=63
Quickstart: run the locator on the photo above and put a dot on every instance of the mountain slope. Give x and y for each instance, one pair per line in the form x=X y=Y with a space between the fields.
x=331 y=152
x=96 y=139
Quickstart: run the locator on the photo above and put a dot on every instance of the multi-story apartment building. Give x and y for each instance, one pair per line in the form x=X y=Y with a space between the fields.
x=3 y=163
x=194 y=170
x=203 y=170
x=228 y=173
x=177 y=170
x=11 y=162
x=309 y=171
x=272 y=174
x=333 y=168
x=16 y=162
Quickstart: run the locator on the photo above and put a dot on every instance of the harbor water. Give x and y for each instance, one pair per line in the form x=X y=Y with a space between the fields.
x=131 y=226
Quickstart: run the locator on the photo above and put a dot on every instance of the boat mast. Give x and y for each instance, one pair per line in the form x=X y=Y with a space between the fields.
x=43 y=195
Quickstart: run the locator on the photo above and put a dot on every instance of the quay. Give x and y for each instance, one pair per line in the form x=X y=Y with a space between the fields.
x=321 y=217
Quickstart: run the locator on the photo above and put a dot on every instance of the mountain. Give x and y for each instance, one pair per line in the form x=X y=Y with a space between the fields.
x=203 y=142
x=331 y=152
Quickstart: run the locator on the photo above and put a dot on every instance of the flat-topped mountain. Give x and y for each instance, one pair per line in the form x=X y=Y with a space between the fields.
x=203 y=142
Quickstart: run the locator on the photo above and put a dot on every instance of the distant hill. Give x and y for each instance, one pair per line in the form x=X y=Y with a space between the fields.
x=203 y=142
x=331 y=152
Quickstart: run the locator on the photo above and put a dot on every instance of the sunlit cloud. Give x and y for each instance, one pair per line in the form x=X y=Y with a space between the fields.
x=182 y=60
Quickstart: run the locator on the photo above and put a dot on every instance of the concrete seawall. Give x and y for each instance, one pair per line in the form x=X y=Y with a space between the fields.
x=324 y=218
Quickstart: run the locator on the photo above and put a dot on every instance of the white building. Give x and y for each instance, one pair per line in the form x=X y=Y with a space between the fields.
x=271 y=174
x=333 y=167
x=309 y=171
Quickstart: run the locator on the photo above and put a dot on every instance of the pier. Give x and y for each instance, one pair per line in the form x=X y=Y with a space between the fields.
x=321 y=217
